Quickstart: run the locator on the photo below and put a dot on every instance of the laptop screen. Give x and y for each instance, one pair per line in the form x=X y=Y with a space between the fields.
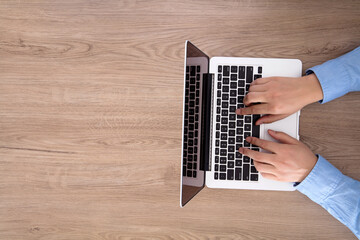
x=193 y=174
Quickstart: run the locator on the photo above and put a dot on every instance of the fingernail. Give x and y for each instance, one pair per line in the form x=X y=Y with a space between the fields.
x=238 y=111
x=241 y=150
x=272 y=131
x=248 y=139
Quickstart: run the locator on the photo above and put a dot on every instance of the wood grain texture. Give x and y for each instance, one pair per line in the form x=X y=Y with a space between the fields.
x=91 y=107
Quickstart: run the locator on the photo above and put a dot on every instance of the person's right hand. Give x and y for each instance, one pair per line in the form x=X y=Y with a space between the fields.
x=279 y=97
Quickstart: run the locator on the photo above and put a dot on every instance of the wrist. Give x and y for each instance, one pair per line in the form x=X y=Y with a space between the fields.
x=312 y=89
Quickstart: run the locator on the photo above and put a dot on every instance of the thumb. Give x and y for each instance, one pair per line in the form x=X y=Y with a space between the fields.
x=270 y=118
x=282 y=137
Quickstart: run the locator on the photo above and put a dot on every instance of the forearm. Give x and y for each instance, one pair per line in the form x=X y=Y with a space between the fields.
x=337 y=193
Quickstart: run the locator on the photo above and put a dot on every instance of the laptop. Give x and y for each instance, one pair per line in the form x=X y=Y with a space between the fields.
x=212 y=133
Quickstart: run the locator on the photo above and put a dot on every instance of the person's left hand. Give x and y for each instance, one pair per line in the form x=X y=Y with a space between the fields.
x=289 y=161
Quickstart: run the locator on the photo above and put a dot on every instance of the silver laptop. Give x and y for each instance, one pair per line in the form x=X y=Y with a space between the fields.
x=212 y=132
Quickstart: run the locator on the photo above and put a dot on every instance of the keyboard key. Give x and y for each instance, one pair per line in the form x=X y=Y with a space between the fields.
x=241 y=91
x=224 y=128
x=259 y=70
x=218 y=101
x=249 y=74
x=192 y=70
x=256 y=76
x=247 y=119
x=231 y=124
x=231 y=133
x=247 y=127
x=233 y=93
x=198 y=68
x=232 y=108
x=216 y=159
x=225 y=88
x=233 y=85
x=225 y=96
x=219 y=77
x=238 y=163
x=218 y=109
x=222 y=168
x=239 y=131
x=233 y=77
x=231 y=140
x=224 y=112
x=226 y=80
x=218 y=126
x=230 y=174
x=239 y=123
x=217 y=151
x=241 y=73
x=232 y=100
x=241 y=83
x=184 y=171
x=218 y=93
x=239 y=139
x=230 y=164
x=219 y=68
x=194 y=174
x=217 y=134
x=223 y=144
x=223 y=136
x=225 y=104
x=246 y=144
x=231 y=148
x=232 y=116
x=231 y=156
x=216 y=176
x=222 y=176
x=219 y=85
x=224 y=120
x=216 y=167
x=246 y=159
x=247 y=87
x=237 y=173
x=254 y=177
x=187 y=68
x=253 y=170
x=195 y=149
x=218 y=118
x=246 y=172
x=197 y=77
x=226 y=70
x=223 y=152
x=222 y=160
x=246 y=134
x=233 y=69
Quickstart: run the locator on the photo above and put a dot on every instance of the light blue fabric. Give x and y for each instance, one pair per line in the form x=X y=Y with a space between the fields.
x=337 y=193
x=339 y=76
x=326 y=185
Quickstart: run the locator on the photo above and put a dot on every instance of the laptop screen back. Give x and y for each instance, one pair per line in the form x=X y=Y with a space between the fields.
x=193 y=174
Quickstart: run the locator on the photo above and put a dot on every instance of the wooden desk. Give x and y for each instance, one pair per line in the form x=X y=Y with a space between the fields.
x=91 y=107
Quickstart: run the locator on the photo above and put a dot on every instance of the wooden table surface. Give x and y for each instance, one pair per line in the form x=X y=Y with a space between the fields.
x=91 y=108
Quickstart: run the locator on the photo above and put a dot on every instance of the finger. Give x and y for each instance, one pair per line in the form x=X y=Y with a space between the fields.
x=282 y=137
x=254 y=109
x=257 y=88
x=270 y=176
x=260 y=81
x=258 y=156
x=254 y=97
x=264 y=144
x=264 y=168
x=270 y=118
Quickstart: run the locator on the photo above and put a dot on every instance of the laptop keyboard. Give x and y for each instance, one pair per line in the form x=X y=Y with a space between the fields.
x=233 y=83
x=191 y=122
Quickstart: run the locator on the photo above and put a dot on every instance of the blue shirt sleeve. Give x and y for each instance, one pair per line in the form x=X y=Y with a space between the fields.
x=337 y=193
x=338 y=76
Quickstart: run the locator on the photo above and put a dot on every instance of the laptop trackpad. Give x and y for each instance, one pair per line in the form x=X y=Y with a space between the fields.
x=287 y=125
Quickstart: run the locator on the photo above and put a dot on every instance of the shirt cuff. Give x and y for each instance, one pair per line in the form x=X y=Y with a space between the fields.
x=321 y=181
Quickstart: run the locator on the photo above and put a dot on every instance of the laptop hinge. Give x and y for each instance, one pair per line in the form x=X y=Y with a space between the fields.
x=206 y=126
